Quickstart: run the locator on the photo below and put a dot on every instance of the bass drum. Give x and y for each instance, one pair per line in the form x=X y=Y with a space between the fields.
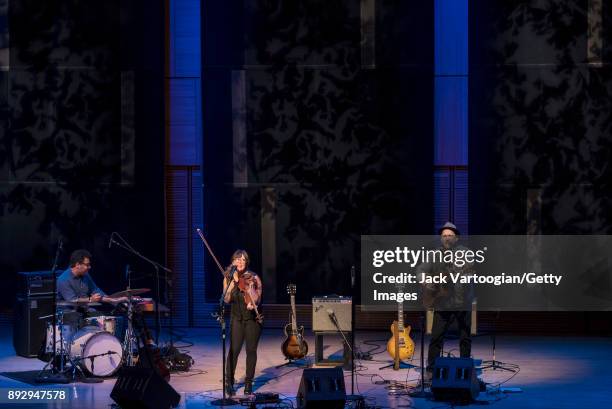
x=98 y=352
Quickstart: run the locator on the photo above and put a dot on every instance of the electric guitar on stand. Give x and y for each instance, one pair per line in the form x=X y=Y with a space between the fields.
x=400 y=347
x=294 y=346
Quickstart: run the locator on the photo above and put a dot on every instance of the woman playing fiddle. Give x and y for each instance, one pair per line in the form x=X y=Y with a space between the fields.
x=242 y=289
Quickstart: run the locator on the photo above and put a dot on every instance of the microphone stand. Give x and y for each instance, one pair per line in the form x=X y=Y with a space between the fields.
x=220 y=316
x=157 y=267
x=357 y=398
x=422 y=393
x=494 y=364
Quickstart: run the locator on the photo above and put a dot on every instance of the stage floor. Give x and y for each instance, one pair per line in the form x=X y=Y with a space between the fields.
x=555 y=372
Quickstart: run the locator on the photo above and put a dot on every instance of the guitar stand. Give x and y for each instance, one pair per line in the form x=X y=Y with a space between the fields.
x=295 y=363
x=402 y=365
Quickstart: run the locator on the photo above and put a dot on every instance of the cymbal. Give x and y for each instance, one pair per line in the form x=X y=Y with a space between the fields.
x=78 y=303
x=131 y=291
x=47 y=316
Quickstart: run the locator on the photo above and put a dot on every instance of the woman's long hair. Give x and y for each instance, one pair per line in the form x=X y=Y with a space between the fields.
x=238 y=254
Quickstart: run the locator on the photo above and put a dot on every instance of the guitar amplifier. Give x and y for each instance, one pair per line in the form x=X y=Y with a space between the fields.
x=327 y=308
x=36 y=283
x=29 y=331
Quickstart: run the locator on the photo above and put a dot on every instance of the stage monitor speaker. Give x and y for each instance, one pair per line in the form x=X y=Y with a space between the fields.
x=321 y=388
x=454 y=379
x=28 y=330
x=143 y=388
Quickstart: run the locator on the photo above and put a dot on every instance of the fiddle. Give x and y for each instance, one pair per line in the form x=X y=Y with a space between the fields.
x=246 y=285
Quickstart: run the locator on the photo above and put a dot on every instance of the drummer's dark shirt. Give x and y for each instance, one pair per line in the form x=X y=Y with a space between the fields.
x=70 y=287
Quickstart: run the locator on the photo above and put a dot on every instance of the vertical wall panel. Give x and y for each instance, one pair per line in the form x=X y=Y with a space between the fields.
x=183 y=122
x=451 y=38
x=183 y=177
x=184 y=38
x=177 y=209
x=460 y=200
x=450 y=121
x=442 y=197
x=451 y=112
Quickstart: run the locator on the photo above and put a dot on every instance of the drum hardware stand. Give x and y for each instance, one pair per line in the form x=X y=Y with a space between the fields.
x=130 y=337
x=61 y=375
x=157 y=267
x=55 y=376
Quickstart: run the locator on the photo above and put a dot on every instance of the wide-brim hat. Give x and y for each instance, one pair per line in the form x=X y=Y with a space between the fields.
x=449 y=226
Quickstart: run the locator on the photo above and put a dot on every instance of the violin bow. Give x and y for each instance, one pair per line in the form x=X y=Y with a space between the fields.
x=211 y=252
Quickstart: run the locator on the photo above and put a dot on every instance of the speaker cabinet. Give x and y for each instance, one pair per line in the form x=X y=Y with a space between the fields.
x=143 y=388
x=454 y=379
x=28 y=330
x=321 y=388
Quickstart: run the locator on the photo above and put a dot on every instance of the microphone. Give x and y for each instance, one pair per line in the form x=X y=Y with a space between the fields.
x=333 y=318
x=127 y=271
x=110 y=240
x=230 y=276
x=352 y=276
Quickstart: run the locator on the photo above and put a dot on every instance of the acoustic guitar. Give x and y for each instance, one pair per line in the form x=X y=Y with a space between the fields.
x=294 y=346
x=400 y=346
x=149 y=355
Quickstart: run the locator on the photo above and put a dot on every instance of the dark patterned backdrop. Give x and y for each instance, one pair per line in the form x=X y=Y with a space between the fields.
x=540 y=117
x=82 y=138
x=335 y=149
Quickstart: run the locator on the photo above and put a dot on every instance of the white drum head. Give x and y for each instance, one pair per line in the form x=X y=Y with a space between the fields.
x=90 y=341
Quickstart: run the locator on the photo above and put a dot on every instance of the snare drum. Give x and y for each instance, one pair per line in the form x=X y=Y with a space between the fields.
x=108 y=323
x=66 y=334
x=97 y=352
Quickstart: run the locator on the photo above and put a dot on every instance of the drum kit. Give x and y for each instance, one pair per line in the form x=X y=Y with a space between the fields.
x=101 y=345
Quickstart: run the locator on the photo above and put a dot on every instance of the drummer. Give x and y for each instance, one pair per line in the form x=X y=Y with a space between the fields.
x=76 y=284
